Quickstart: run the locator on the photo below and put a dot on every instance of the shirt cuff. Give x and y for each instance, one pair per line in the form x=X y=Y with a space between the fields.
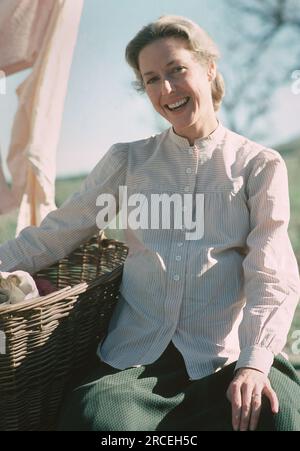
x=256 y=357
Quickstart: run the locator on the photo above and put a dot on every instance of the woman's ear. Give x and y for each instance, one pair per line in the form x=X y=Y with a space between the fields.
x=211 y=71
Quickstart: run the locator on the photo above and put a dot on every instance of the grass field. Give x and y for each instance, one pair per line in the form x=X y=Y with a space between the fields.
x=65 y=187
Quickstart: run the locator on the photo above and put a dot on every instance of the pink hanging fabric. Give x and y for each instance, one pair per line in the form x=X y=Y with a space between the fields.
x=22 y=28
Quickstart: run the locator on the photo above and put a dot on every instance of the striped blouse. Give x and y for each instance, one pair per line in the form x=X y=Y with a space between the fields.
x=210 y=264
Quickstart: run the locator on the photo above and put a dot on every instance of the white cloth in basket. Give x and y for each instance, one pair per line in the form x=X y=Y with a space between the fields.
x=16 y=287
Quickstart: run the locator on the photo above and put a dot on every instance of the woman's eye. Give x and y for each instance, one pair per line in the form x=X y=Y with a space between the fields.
x=152 y=80
x=178 y=69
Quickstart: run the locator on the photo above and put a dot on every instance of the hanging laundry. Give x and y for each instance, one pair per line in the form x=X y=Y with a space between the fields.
x=7 y=199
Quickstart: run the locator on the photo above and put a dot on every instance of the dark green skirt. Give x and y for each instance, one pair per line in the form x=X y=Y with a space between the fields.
x=160 y=397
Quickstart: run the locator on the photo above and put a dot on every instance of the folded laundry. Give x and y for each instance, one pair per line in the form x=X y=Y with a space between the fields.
x=16 y=287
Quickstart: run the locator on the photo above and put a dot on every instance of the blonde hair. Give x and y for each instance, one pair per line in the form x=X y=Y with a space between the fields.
x=198 y=42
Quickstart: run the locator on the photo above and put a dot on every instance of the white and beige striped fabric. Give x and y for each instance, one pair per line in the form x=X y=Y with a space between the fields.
x=228 y=294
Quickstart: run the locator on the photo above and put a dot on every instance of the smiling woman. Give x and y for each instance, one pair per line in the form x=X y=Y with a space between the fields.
x=195 y=340
x=180 y=89
x=175 y=63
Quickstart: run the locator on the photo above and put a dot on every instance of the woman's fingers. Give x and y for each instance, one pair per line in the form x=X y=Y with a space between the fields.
x=255 y=410
x=271 y=395
x=256 y=404
x=245 y=406
x=234 y=396
x=245 y=394
x=246 y=391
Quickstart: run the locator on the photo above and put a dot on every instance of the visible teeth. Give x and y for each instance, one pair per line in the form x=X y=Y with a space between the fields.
x=179 y=103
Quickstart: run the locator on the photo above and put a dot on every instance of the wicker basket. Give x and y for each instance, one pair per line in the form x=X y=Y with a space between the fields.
x=52 y=338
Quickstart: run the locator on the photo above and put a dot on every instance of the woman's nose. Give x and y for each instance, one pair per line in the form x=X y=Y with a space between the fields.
x=167 y=87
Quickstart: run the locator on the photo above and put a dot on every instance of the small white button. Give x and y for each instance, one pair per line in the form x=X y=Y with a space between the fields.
x=188 y=170
x=179 y=244
x=176 y=277
x=178 y=258
x=186 y=188
x=191 y=151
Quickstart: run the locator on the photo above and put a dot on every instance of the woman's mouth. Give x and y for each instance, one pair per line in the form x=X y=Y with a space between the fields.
x=177 y=105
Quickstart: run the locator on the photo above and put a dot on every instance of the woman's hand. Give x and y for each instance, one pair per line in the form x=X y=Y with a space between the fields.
x=245 y=394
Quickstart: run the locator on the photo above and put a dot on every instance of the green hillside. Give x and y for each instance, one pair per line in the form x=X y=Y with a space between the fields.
x=291 y=154
x=290 y=148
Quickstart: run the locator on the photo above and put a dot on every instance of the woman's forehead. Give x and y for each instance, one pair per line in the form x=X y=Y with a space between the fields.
x=163 y=52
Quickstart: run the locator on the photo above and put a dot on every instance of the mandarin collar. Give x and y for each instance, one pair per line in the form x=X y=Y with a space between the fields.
x=212 y=140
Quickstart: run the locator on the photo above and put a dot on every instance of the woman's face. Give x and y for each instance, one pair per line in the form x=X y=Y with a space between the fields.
x=179 y=87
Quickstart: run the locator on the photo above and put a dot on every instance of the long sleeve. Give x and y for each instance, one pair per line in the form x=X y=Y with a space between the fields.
x=271 y=277
x=71 y=224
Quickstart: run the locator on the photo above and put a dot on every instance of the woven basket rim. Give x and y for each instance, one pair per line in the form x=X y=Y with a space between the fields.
x=61 y=294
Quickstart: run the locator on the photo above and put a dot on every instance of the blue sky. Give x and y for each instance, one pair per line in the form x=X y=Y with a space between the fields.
x=101 y=106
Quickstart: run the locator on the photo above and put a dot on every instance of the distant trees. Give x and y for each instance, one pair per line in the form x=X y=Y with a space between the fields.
x=260 y=33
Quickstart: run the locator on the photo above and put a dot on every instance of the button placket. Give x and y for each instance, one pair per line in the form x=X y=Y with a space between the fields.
x=176 y=258
x=191 y=169
x=175 y=286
